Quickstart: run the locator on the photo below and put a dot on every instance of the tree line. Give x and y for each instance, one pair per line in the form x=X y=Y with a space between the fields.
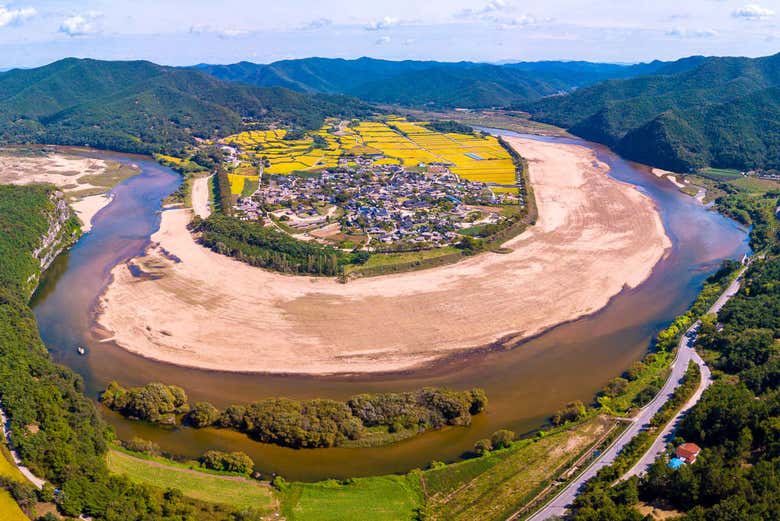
x=262 y=246
x=303 y=423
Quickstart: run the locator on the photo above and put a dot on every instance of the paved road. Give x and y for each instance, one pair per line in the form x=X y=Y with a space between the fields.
x=666 y=435
x=685 y=353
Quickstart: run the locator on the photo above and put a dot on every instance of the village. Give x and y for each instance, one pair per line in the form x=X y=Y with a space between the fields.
x=392 y=207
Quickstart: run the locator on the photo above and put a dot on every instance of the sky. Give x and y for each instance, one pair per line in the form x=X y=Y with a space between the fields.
x=34 y=33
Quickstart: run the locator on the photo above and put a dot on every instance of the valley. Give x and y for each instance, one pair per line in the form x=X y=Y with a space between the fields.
x=365 y=289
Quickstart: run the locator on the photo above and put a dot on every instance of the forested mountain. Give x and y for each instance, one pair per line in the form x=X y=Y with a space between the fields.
x=141 y=107
x=723 y=112
x=417 y=83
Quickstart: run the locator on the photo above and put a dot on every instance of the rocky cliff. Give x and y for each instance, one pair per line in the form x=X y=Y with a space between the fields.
x=63 y=231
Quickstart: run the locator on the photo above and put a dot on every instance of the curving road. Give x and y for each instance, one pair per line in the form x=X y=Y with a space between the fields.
x=685 y=353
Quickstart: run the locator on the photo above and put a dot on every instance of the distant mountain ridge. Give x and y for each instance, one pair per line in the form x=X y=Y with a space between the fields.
x=139 y=106
x=723 y=112
x=431 y=83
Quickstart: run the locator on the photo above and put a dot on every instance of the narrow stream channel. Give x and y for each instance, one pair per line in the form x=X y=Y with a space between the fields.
x=524 y=385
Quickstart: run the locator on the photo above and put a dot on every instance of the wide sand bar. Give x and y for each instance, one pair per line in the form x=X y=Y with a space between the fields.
x=594 y=236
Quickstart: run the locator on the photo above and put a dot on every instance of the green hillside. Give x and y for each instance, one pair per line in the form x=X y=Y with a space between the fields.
x=723 y=112
x=142 y=107
x=430 y=83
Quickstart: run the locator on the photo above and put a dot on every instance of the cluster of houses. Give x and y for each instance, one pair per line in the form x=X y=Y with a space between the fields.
x=395 y=207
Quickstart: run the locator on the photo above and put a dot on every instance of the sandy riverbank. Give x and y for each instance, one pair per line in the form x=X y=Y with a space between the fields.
x=87 y=207
x=200 y=197
x=670 y=176
x=83 y=180
x=594 y=236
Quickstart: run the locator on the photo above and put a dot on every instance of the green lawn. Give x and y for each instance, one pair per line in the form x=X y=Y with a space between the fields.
x=9 y=510
x=721 y=174
x=755 y=185
x=384 y=498
x=241 y=493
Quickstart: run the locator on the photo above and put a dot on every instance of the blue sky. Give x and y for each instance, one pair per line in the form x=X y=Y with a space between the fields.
x=33 y=32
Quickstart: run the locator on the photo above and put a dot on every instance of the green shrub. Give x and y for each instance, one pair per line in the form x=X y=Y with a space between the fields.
x=203 y=414
x=237 y=462
x=482 y=447
x=143 y=446
x=502 y=439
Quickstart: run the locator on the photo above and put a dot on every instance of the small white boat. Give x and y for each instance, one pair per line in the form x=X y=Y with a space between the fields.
x=81 y=350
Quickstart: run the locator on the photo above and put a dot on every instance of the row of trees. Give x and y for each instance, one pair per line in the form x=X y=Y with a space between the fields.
x=303 y=423
x=255 y=244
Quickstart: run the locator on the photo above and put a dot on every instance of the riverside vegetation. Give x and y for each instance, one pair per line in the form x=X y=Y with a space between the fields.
x=735 y=422
x=366 y=419
x=54 y=427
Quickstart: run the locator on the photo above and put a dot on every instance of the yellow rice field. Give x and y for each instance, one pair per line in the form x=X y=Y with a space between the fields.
x=398 y=141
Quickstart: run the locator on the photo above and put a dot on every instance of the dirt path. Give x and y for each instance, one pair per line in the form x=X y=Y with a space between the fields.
x=200 y=197
x=594 y=236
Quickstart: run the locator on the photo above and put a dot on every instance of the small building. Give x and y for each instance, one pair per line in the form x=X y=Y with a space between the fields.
x=688 y=452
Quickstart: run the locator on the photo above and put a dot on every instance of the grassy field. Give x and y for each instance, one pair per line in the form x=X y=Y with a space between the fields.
x=755 y=185
x=9 y=510
x=495 y=486
x=713 y=183
x=384 y=498
x=230 y=490
x=720 y=174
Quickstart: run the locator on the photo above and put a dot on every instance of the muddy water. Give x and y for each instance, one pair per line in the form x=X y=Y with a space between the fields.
x=525 y=385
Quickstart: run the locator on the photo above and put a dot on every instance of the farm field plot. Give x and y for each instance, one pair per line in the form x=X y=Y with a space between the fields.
x=9 y=510
x=394 y=141
x=235 y=491
x=383 y=498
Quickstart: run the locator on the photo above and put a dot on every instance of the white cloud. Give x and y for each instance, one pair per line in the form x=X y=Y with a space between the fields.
x=15 y=16
x=493 y=6
x=752 y=12
x=81 y=24
x=382 y=40
x=384 y=23
x=221 y=32
x=682 y=32
x=319 y=23
x=519 y=21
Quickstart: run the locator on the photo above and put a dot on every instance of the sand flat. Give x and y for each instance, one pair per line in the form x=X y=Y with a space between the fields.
x=594 y=236
x=74 y=175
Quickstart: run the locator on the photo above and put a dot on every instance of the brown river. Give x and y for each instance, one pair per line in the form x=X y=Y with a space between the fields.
x=525 y=385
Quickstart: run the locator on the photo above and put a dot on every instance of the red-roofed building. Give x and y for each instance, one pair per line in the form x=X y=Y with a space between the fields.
x=688 y=452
